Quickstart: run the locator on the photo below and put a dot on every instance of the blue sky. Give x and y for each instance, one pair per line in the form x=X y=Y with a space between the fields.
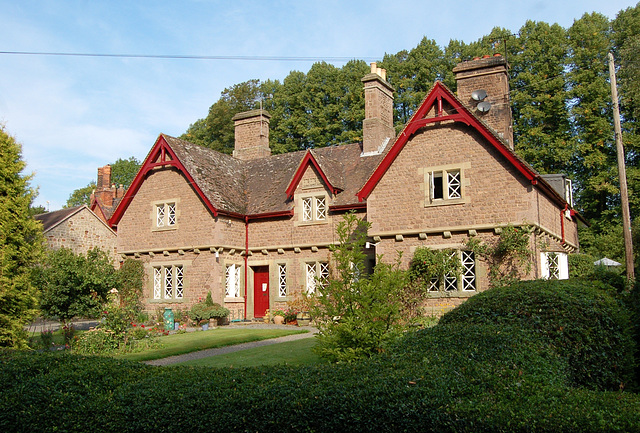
x=75 y=114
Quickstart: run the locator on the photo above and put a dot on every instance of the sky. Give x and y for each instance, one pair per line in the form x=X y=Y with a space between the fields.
x=74 y=114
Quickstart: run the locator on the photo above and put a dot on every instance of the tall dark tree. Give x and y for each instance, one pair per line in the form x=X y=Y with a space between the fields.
x=539 y=99
x=591 y=114
x=20 y=245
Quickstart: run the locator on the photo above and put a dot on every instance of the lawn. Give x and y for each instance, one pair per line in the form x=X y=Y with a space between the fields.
x=294 y=353
x=179 y=344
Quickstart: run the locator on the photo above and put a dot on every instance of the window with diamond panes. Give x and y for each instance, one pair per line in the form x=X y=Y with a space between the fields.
x=468 y=260
x=445 y=185
x=317 y=276
x=166 y=215
x=168 y=282
x=232 y=281
x=465 y=282
x=282 y=280
x=314 y=209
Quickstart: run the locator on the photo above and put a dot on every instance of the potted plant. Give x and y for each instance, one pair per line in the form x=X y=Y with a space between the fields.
x=302 y=304
x=278 y=317
x=290 y=316
x=218 y=313
x=267 y=316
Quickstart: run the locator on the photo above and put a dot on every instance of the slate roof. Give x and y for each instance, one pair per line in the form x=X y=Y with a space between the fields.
x=259 y=186
x=51 y=219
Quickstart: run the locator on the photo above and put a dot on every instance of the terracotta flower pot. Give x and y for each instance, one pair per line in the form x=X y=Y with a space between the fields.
x=278 y=320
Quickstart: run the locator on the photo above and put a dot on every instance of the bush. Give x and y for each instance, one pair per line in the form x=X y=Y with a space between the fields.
x=581 y=320
x=96 y=342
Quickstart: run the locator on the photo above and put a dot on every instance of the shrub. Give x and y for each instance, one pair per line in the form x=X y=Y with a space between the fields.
x=201 y=312
x=583 y=322
x=96 y=342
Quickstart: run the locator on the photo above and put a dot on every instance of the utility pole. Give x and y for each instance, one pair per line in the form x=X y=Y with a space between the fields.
x=622 y=174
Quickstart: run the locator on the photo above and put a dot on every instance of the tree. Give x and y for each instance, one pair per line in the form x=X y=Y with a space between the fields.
x=75 y=284
x=20 y=245
x=357 y=313
x=123 y=171
x=216 y=131
x=81 y=196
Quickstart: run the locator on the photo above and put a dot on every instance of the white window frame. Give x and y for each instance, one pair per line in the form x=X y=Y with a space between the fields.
x=316 y=276
x=282 y=280
x=314 y=208
x=168 y=282
x=554 y=265
x=232 y=284
x=451 y=185
x=465 y=282
x=166 y=215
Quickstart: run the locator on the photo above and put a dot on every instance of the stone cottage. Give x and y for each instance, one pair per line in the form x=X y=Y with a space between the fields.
x=254 y=229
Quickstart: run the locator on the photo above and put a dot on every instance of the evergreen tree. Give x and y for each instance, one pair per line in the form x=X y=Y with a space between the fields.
x=20 y=245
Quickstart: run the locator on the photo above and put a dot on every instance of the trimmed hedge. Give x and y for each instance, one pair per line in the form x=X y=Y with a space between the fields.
x=580 y=319
x=459 y=376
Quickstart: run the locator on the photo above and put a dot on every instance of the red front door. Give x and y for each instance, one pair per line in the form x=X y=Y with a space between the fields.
x=260 y=290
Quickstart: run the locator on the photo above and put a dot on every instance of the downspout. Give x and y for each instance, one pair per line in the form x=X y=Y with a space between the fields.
x=246 y=260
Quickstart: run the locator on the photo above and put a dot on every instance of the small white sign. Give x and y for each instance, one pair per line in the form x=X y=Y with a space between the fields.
x=264 y=287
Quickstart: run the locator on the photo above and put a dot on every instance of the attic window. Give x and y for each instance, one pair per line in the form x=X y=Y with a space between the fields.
x=444 y=185
x=166 y=215
x=314 y=209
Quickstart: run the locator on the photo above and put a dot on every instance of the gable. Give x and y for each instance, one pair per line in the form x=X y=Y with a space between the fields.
x=161 y=155
x=439 y=106
x=309 y=160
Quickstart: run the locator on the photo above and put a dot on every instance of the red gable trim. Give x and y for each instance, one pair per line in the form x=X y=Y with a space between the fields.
x=161 y=155
x=436 y=96
x=308 y=159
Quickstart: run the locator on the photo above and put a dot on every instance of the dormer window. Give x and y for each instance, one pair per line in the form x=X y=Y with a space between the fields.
x=314 y=209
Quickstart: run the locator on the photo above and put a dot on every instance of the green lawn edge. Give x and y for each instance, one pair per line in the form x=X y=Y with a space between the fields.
x=180 y=344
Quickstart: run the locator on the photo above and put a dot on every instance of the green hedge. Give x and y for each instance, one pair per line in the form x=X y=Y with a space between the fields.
x=580 y=319
x=460 y=376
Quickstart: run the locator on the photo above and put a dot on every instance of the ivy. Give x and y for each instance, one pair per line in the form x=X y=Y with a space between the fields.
x=508 y=257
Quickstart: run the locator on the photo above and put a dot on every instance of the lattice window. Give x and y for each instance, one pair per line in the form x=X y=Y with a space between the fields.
x=166 y=215
x=160 y=215
x=468 y=271
x=445 y=185
x=324 y=273
x=232 y=281
x=311 y=277
x=554 y=266
x=450 y=283
x=321 y=208
x=454 y=186
x=171 y=214
x=282 y=280
x=307 y=209
x=168 y=282
x=157 y=283
x=179 y=282
x=434 y=285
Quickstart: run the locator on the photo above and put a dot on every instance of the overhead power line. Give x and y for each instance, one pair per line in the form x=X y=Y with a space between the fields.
x=191 y=57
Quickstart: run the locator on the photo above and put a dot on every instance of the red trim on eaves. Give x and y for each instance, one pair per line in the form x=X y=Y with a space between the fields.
x=436 y=96
x=160 y=155
x=308 y=159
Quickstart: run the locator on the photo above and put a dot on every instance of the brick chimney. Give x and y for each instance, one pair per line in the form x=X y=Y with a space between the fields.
x=377 y=127
x=252 y=135
x=490 y=75
x=104 y=192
